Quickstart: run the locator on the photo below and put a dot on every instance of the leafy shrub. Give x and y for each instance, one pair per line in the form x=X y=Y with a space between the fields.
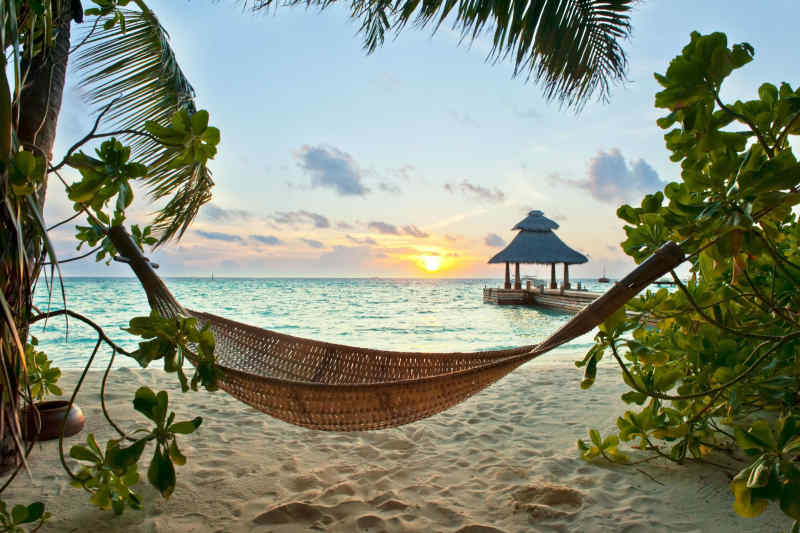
x=721 y=371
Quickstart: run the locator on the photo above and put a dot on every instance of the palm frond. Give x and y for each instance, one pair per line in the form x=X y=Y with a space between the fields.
x=188 y=196
x=572 y=47
x=135 y=67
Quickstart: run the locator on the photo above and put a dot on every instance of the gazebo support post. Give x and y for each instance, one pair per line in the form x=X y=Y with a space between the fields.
x=517 y=281
x=566 y=275
x=508 y=278
x=553 y=284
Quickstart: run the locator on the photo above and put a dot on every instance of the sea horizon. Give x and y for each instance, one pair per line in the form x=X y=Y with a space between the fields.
x=399 y=314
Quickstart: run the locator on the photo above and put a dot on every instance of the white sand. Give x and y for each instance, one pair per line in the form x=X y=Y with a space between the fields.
x=504 y=460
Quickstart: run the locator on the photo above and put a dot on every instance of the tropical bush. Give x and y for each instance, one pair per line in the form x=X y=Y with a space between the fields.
x=721 y=370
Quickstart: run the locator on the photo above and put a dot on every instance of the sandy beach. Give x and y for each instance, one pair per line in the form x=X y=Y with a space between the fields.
x=503 y=461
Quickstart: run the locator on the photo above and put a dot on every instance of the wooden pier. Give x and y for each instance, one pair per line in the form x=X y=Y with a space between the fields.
x=559 y=299
x=568 y=301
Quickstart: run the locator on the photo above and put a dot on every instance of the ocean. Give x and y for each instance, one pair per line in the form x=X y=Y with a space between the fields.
x=392 y=314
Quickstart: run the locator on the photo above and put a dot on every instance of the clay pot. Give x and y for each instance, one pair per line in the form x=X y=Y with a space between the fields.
x=52 y=417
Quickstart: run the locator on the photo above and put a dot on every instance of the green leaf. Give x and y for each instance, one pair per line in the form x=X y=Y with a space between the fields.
x=186 y=427
x=199 y=122
x=789 y=428
x=175 y=454
x=790 y=498
x=82 y=453
x=35 y=511
x=126 y=457
x=160 y=410
x=666 y=378
x=760 y=474
x=745 y=503
x=634 y=397
x=590 y=373
x=616 y=456
x=614 y=322
x=102 y=497
x=19 y=513
x=761 y=432
x=161 y=473
x=145 y=402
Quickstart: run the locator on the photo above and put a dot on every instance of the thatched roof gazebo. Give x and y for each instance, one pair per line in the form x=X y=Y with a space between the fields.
x=536 y=243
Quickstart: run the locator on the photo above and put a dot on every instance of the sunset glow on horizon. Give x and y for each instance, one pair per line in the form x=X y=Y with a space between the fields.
x=432 y=263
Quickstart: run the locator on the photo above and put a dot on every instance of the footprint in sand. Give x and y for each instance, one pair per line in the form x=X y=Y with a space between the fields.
x=370 y=524
x=547 y=501
x=292 y=513
x=301 y=483
x=478 y=528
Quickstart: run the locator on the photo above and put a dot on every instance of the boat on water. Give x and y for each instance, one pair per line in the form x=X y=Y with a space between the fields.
x=603 y=278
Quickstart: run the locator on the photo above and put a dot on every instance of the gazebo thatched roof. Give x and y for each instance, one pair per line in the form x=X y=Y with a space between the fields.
x=536 y=221
x=536 y=243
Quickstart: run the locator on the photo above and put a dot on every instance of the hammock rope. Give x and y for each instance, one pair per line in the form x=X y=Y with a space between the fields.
x=334 y=387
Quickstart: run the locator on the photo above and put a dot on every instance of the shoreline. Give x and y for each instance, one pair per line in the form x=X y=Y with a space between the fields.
x=502 y=461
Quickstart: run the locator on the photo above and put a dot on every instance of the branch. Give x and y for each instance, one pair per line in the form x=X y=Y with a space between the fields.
x=768 y=306
x=103 y=399
x=87 y=254
x=785 y=133
x=87 y=137
x=71 y=402
x=713 y=322
x=92 y=136
x=73 y=217
x=100 y=333
x=761 y=140
x=778 y=257
x=733 y=381
x=84 y=209
x=83 y=41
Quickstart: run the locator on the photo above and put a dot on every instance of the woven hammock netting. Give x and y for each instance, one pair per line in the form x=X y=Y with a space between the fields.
x=334 y=387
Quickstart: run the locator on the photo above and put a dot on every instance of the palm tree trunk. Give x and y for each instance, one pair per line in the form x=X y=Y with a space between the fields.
x=39 y=106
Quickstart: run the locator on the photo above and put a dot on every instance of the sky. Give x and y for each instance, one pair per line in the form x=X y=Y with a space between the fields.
x=338 y=163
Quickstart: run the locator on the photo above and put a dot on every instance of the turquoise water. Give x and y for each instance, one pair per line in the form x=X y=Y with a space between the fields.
x=392 y=314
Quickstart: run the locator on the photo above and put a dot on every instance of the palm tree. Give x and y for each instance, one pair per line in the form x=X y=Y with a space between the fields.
x=131 y=75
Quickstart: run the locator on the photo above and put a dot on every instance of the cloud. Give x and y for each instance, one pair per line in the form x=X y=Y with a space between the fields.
x=389 y=187
x=494 y=240
x=217 y=236
x=415 y=232
x=331 y=168
x=613 y=180
x=476 y=191
x=343 y=225
x=391 y=229
x=271 y=240
x=365 y=241
x=215 y=213
x=405 y=173
x=348 y=259
x=384 y=228
x=312 y=243
x=296 y=218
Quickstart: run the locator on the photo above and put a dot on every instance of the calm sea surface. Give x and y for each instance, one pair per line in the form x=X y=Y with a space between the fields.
x=393 y=314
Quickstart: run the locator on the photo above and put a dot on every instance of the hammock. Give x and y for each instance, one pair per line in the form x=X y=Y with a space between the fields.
x=333 y=387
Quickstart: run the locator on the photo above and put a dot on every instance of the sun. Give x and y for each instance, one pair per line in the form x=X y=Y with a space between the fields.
x=431 y=262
